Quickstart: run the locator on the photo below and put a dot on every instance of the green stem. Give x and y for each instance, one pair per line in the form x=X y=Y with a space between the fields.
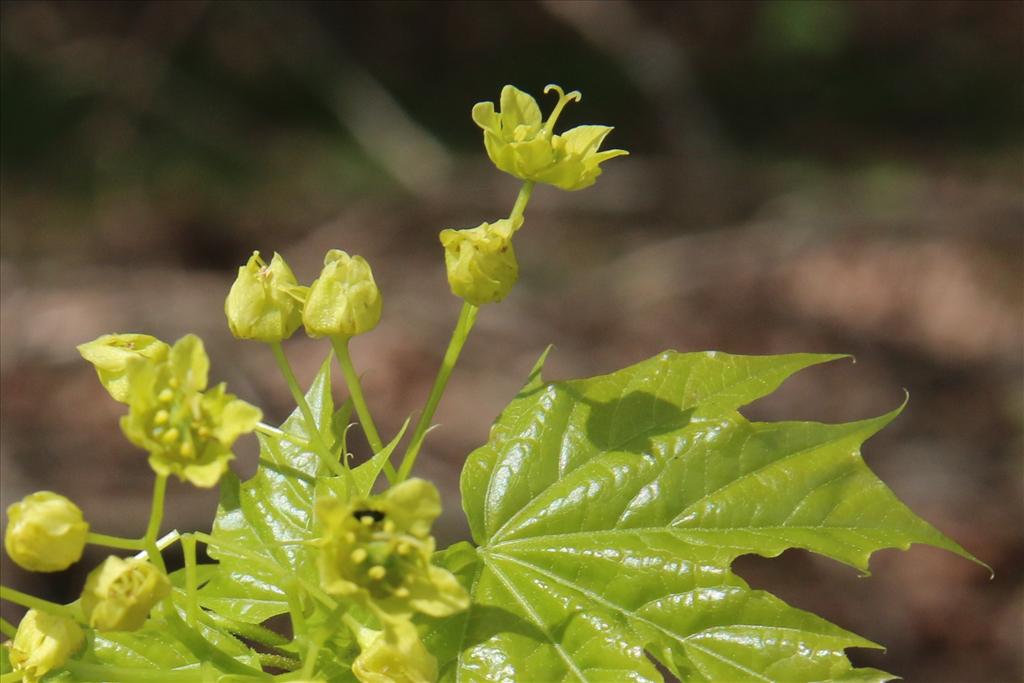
x=522 y=199
x=115 y=541
x=204 y=650
x=309 y=665
x=353 y=624
x=156 y=517
x=12 y=677
x=84 y=671
x=462 y=328
x=7 y=628
x=355 y=390
x=307 y=414
x=254 y=632
x=32 y=602
x=188 y=548
x=264 y=428
x=296 y=609
x=276 y=661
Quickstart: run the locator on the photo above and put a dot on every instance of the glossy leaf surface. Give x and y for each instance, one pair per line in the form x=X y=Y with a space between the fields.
x=608 y=512
x=269 y=516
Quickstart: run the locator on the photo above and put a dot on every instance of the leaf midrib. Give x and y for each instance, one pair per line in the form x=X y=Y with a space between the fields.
x=743 y=477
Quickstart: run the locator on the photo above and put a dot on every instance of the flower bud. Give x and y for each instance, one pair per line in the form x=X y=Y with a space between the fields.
x=396 y=655
x=112 y=353
x=481 y=262
x=44 y=642
x=520 y=143
x=45 y=532
x=344 y=300
x=119 y=594
x=265 y=302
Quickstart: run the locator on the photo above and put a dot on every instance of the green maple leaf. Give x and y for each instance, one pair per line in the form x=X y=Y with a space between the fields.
x=607 y=513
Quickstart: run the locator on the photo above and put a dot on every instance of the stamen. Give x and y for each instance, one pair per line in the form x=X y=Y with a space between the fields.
x=377 y=572
x=161 y=417
x=165 y=396
x=358 y=555
x=170 y=436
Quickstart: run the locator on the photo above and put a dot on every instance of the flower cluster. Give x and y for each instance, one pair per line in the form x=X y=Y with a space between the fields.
x=377 y=551
x=373 y=552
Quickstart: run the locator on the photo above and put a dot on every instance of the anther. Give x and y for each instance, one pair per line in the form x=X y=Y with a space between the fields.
x=358 y=555
x=161 y=417
x=377 y=572
x=165 y=396
x=170 y=436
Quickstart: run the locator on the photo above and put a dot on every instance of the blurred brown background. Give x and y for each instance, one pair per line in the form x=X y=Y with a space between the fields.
x=805 y=176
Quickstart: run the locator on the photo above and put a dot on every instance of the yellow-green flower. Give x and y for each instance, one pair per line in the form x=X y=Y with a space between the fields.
x=188 y=432
x=119 y=594
x=45 y=532
x=519 y=142
x=43 y=642
x=344 y=300
x=377 y=551
x=265 y=301
x=481 y=262
x=396 y=655
x=111 y=355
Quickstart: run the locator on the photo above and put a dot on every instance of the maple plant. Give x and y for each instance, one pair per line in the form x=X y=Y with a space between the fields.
x=605 y=512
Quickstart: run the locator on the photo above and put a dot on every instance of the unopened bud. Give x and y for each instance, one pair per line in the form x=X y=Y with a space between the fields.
x=44 y=642
x=481 y=262
x=45 y=532
x=265 y=301
x=119 y=594
x=344 y=300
